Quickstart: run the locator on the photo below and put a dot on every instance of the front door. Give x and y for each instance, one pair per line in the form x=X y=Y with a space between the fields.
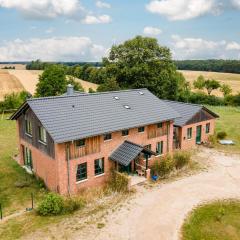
x=198 y=134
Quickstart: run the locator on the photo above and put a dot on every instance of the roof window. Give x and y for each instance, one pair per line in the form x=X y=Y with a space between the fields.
x=116 y=98
x=141 y=93
x=127 y=106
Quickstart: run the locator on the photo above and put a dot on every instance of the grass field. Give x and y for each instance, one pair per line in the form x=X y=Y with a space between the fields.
x=215 y=221
x=18 y=80
x=229 y=78
x=229 y=122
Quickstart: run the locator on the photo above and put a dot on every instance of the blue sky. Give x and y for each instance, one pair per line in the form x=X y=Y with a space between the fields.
x=84 y=30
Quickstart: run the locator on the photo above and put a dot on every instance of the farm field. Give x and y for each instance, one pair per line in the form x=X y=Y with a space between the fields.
x=228 y=78
x=17 y=66
x=18 y=80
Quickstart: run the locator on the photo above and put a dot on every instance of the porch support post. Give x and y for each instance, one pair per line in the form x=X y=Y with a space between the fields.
x=146 y=161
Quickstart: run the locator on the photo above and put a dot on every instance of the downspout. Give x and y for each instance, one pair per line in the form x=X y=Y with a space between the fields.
x=68 y=168
x=168 y=124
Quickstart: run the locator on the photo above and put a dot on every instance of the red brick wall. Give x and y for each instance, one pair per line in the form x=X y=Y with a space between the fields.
x=107 y=147
x=190 y=143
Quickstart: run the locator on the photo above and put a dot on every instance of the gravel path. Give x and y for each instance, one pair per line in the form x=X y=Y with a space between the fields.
x=159 y=213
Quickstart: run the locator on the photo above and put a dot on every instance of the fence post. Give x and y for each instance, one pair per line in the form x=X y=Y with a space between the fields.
x=1 y=215
x=32 y=199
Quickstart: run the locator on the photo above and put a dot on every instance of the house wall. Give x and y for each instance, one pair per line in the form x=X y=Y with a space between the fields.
x=107 y=147
x=186 y=144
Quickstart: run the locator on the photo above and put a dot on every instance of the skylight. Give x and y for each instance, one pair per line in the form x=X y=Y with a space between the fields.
x=127 y=107
x=141 y=93
x=116 y=98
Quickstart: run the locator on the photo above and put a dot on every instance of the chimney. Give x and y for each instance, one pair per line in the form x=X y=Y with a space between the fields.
x=70 y=90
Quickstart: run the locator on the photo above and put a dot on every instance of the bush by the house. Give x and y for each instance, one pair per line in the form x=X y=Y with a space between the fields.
x=52 y=204
x=119 y=181
x=181 y=159
x=212 y=139
x=72 y=205
x=221 y=135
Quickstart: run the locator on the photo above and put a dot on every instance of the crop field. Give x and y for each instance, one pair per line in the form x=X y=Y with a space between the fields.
x=18 y=80
x=231 y=79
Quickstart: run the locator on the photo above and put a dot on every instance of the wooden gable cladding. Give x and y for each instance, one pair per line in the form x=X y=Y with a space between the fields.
x=153 y=131
x=201 y=116
x=92 y=145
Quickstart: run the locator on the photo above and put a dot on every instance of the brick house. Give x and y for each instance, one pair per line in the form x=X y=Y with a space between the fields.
x=73 y=141
x=194 y=126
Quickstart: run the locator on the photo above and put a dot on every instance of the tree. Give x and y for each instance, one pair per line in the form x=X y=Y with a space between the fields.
x=142 y=63
x=225 y=89
x=199 y=83
x=211 y=85
x=76 y=85
x=110 y=84
x=52 y=82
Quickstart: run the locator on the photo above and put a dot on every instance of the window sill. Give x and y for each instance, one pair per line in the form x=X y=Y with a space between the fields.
x=28 y=134
x=99 y=175
x=140 y=132
x=108 y=140
x=159 y=155
x=82 y=181
x=43 y=143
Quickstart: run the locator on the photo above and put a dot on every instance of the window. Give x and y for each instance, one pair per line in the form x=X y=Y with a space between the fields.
x=149 y=146
x=159 y=148
x=159 y=125
x=28 y=157
x=107 y=136
x=189 y=133
x=99 y=166
x=28 y=127
x=208 y=128
x=141 y=129
x=125 y=132
x=80 y=143
x=42 y=134
x=81 y=172
x=127 y=106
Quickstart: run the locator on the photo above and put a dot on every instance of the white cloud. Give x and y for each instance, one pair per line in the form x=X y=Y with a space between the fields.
x=183 y=9
x=38 y=9
x=52 y=49
x=90 y=19
x=233 y=46
x=101 y=4
x=152 y=31
x=49 y=30
x=198 y=48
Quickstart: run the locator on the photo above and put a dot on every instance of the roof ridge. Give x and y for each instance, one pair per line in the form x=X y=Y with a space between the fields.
x=87 y=94
x=186 y=103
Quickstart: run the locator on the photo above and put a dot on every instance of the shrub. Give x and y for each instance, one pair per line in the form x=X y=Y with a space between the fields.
x=119 y=181
x=52 y=204
x=181 y=159
x=221 y=135
x=212 y=140
x=71 y=205
x=163 y=166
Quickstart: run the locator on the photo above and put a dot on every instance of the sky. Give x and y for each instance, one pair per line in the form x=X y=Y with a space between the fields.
x=85 y=30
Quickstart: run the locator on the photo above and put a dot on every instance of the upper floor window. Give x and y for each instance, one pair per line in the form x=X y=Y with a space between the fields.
x=208 y=128
x=42 y=134
x=189 y=133
x=28 y=126
x=141 y=129
x=160 y=125
x=81 y=172
x=99 y=166
x=125 y=132
x=107 y=136
x=80 y=143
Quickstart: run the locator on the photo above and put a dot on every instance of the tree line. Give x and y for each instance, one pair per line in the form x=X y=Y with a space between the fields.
x=212 y=65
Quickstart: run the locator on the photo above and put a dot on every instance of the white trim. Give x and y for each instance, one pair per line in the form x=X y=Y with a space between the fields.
x=28 y=134
x=108 y=140
x=81 y=181
x=42 y=142
x=99 y=175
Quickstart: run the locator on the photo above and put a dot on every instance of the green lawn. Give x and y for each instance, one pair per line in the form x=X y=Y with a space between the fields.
x=14 y=198
x=215 y=221
x=229 y=122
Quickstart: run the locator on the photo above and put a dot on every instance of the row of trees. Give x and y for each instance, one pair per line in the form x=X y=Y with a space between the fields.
x=214 y=65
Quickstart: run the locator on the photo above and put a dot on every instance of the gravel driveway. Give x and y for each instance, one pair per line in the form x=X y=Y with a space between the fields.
x=159 y=213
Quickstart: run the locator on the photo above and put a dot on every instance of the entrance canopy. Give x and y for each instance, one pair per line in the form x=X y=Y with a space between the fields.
x=127 y=152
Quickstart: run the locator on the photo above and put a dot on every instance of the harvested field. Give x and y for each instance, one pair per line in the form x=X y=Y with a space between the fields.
x=17 y=66
x=231 y=79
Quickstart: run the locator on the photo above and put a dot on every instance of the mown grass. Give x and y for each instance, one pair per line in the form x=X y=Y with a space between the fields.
x=229 y=122
x=214 y=221
x=13 y=198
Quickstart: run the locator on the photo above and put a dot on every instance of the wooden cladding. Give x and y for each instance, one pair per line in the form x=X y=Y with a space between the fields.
x=201 y=116
x=153 y=131
x=92 y=145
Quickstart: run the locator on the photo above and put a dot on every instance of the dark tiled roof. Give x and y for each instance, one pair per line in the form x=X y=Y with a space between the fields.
x=72 y=117
x=186 y=110
x=128 y=151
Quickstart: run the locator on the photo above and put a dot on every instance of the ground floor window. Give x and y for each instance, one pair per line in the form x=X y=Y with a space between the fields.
x=81 y=172
x=99 y=166
x=208 y=128
x=189 y=133
x=159 y=148
x=28 y=157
